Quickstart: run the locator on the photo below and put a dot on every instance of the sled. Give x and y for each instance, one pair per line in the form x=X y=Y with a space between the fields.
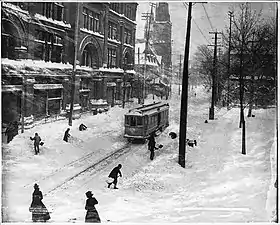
x=109 y=180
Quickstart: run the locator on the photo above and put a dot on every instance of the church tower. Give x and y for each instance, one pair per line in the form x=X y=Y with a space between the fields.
x=161 y=35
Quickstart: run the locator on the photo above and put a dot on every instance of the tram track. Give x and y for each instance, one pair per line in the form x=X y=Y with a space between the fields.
x=97 y=166
x=74 y=163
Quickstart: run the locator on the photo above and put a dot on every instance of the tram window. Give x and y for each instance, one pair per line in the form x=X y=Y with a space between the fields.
x=126 y=120
x=139 y=120
x=132 y=121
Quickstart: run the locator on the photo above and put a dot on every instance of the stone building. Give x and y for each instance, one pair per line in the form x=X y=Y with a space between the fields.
x=161 y=40
x=38 y=40
x=154 y=81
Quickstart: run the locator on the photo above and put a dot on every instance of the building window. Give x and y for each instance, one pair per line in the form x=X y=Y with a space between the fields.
x=113 y=31
x=115 y=7
x=89 y=58
x=84 y=83
x=91 y=20
x=112 y=58
x=53 y=10
x=128 y=11
x=127 y=36
x=48 y=46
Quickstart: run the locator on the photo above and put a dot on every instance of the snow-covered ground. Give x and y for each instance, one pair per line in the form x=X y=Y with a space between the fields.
x=219 y=184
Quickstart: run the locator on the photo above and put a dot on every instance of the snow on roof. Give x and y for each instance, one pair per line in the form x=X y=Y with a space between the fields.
x=115 y=41
x=115 y=70
x=130 y=71
x=61 y=23
x=92 y=32
x=128 y=45
x=41 y=64
x=14 y=7
x=122 y=15
x=17 y=11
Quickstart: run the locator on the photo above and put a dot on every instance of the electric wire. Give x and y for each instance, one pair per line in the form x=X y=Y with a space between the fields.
x=207 y=16
x=185 y=4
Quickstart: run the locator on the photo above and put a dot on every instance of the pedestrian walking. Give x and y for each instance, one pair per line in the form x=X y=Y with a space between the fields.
x=114 y=174
x=37 y=140
x=82 y=127
x=92 y=215
x=38 y=209
x=66 y=135
x=152 y=145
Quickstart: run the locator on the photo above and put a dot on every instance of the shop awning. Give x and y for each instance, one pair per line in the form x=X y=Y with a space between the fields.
x=48 y=86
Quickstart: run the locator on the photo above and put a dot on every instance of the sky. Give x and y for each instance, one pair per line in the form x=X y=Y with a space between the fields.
x=218 y=15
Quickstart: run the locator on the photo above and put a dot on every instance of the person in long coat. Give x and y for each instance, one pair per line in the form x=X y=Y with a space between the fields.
x=11 y=131
x=66 y=135
x=38 y=209
x=114 y=174
x=152 y=145
x=92 y=215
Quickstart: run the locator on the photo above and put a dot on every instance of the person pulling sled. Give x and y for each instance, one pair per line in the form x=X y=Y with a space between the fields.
x=114 y=175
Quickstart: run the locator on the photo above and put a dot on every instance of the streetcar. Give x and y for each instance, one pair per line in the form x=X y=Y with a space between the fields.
x=141 y=121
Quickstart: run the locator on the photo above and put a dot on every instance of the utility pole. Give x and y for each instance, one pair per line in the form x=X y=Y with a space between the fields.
x=74 y=65
x=230 y=13
x=124 y=87
x=184 y=96
x=277 y=125
x=179 y=75
x=214 y=76
x=147 y=17
x=241 y=93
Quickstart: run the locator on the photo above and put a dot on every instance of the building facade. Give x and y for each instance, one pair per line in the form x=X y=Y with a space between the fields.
x=161 y=39
x=38 y=51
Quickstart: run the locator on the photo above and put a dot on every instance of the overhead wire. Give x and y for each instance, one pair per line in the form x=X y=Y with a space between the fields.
x=207 y=16
x=185 y=4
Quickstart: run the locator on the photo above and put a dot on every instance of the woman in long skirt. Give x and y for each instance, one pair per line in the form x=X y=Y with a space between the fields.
x=92 y=215
x=38 y=209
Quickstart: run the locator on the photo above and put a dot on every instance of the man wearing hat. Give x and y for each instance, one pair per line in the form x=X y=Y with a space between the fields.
x=114 y=174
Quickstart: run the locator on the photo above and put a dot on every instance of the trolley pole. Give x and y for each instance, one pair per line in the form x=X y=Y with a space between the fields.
x=184 y=96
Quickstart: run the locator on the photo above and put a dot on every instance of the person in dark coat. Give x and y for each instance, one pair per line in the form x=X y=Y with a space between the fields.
x=152 y=145
x=66 y=135
x=82 y=127
x=114 y=174
x=37 y=140
x=38 y=209
x=92 y=215
x=11 y=131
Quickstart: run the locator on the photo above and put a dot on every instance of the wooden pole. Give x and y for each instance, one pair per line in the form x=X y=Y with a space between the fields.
x=184 y=96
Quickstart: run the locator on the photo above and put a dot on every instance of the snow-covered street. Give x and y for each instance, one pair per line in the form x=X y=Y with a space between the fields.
x=219 y=184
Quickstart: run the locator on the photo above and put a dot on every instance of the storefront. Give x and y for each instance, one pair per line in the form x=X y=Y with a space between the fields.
x=47 y=99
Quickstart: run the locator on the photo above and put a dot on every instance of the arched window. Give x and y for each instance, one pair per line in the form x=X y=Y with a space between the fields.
x=90 y=56
x=10 y=40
